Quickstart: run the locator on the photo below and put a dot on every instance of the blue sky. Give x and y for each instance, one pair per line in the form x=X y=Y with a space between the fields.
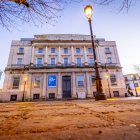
x=124 y=28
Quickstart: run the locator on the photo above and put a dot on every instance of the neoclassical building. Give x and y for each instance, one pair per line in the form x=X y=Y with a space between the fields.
x=56 y=66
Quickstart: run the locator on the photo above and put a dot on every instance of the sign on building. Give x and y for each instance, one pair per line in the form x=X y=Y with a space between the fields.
x=52 y=81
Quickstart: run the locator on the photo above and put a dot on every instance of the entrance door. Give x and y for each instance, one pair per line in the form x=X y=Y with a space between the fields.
x=66 y=86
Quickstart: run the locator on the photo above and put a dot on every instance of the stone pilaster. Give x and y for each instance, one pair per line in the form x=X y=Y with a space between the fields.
x=46 y=55
x=74 y=95
x=85 y=55
x=44 y=86
x=59 y=84
x=89 y=94
x=29 y=87
x=32 y=56
x=59 y=55
x=72 y=55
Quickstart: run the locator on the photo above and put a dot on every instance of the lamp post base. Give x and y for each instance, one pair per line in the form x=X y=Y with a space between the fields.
x=100 y=96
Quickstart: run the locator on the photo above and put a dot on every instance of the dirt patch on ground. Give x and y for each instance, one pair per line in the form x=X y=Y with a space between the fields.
x=72 y=120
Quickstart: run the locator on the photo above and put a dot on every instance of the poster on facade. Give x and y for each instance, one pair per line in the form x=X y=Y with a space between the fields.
x=51 y=81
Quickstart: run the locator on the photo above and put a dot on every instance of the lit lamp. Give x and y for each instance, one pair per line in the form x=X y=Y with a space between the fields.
x=132 y=76
x=99 y=91
x=25 y=80
x=107 y=77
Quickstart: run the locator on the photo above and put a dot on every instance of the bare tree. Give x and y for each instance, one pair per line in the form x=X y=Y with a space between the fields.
x=137 y=69
x=13 y=12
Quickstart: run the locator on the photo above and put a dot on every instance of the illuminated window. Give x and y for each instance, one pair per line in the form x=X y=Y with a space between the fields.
x=16 y=81
x=37 y=82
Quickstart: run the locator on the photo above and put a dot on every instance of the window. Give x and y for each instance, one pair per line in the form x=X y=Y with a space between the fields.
x=91 y=61
x=51 y=95
x=65 y=50
x=109 y=60
x=107 y=50
x=52 y=50
x=77 y=50
x=40 y=50
x=90 y=50
x=79 y=61
x=35 y=96
x=13 y=98
x=65 y=61
x=37 y=82
x=127 y=86
x=93 y=80
x=39 y=61
x=16 y=81
x=21 y=50
x=19 y=61
x=52 y=61
x=116 y=93
x=136 y=84
x=126 y=79
x=113 y=79
x=80 y=80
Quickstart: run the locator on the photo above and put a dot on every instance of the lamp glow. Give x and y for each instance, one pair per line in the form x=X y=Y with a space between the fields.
x=88 y=11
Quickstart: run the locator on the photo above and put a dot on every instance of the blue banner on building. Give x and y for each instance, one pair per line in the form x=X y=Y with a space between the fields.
x=51 y=81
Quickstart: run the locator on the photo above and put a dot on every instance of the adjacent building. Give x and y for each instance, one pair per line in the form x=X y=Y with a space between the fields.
x=132 y=82
x=57 y=66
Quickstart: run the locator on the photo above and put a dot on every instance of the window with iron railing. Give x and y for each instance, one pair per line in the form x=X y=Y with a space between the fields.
x=53 y=61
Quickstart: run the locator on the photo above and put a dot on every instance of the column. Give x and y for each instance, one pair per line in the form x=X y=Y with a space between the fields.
x=59 y=55
x=85 y=55
x=74 y=95
x=44 y=86
x=88 y=85
x=72 y=55
x=46 y=55
x=59 y=84
x=32 y=56
x=29 y=87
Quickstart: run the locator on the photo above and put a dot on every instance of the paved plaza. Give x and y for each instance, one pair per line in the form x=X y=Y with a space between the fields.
x=113 y=119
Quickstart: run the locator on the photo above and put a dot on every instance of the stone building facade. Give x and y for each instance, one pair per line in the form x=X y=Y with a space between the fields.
x=58 y=66
x=132 y=82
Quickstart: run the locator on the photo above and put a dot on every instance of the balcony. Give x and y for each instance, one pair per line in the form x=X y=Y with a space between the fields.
x=108 y=52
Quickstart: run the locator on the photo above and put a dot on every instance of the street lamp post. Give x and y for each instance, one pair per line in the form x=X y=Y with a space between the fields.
x=134 y=85
x=100 y=95
x=23 y=97
x=107 y=77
